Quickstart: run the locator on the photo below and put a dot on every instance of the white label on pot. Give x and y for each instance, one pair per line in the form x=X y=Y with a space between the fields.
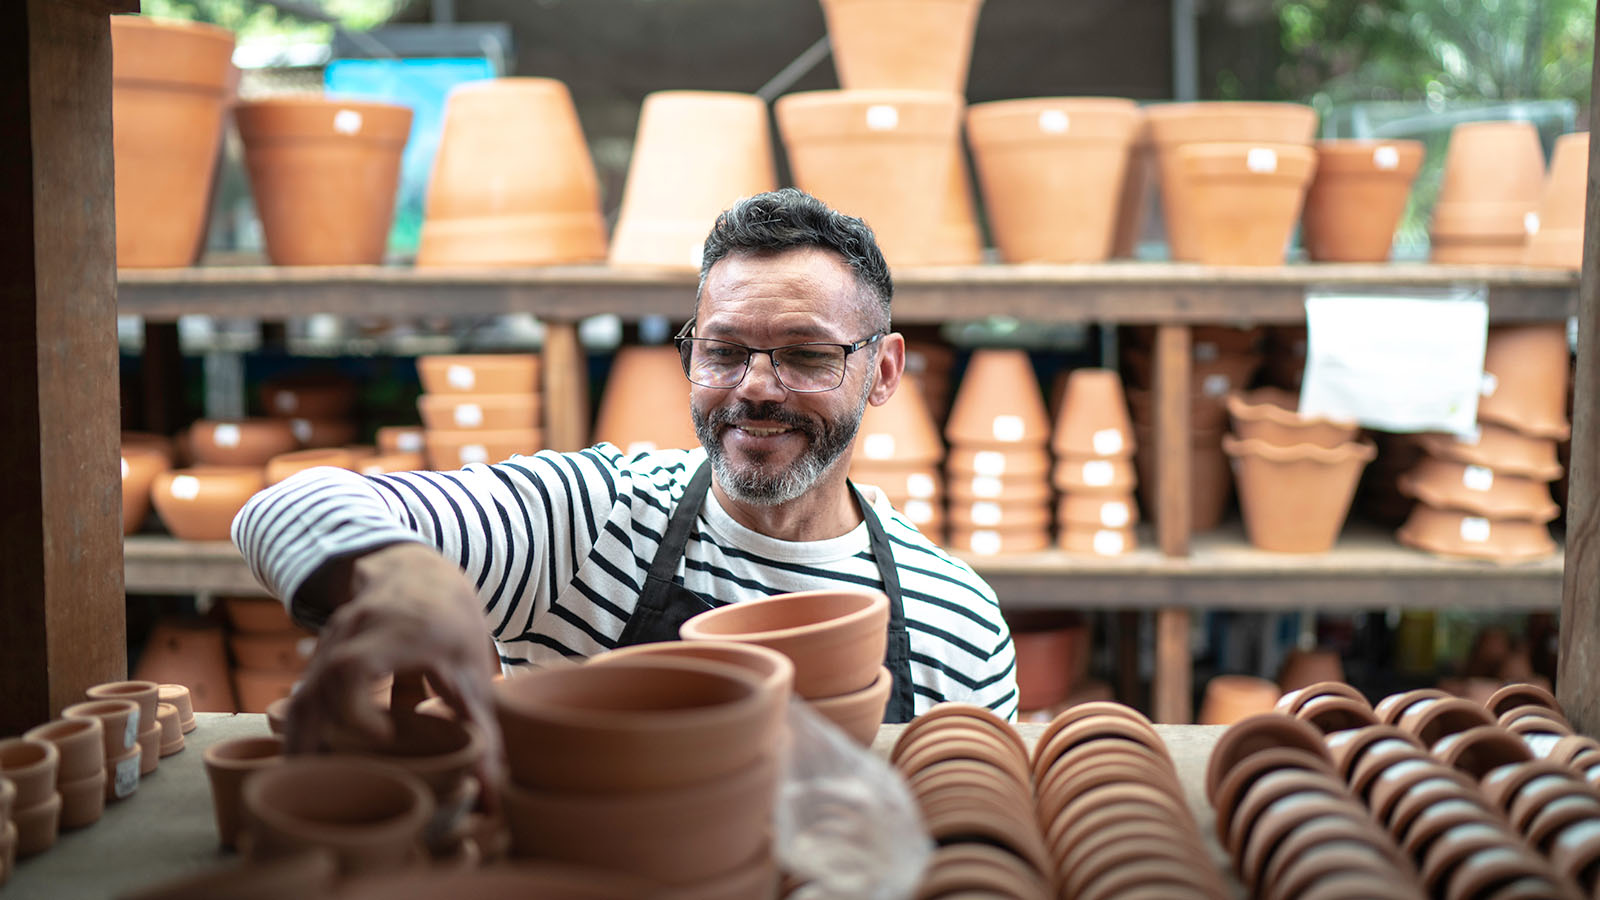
x=460 y=377
x=285 y=401
x=1114 y=514
x=1477 y=478
x=921 y=485
x=1261 y=159
x=226 y=435
x=1206 y=351
x=124 y=467
x=474 y=453
x=637 y=447
x=185 y=487
x=1472 y=437
x=1107 y=442
x=1474 y=530
x=1386 y=157
x=919 y=511
x=985 y=513
x=125 y=780
x=1490 y=384
x=1108 y=543
x=469 y=415
x=1098 y=473
x=1215 y=385
x=878 y=446
x=130 y=731
x=986 y=542
x=1009 y=428
x=301 y=429
x=347 y=121
x=987 y=486
x=882 y=117
x=409 y=442
x=989 y=462
x=1530 y=223
x=1053 y=121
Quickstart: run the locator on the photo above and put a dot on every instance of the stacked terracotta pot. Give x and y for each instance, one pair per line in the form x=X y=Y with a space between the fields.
x=269 y=651
x=1223 y=359
x=1233 y=177
x=479 y=408
x=836 y=640
x=998 y=466
x=1556 y=241
x=899 y=450
x=1094 y=446
x=1053 y=652
x=1486 y=495
x=190 y=656
x=1357 y=197
x=28 y=768
x=1297 y=474
x=1489 y=198
x=645 y=405
x=198 y=503
x=658 y=767
x=1234 y=698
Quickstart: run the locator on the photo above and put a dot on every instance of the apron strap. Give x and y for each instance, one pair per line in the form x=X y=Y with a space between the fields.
x=664 y=604
x=897 y=655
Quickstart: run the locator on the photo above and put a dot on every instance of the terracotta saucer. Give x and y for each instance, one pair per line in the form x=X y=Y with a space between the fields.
x=968 y=746
x=1058 y=797
x=1499 y=448
x=1378 y=761
x=1347 y=747
x=951 y=728
x=1332 y=714
x=1575 y=853
x=1431 y=720
x=1457 y=845
x=1512 y=696
x=1290 y=703
x=1461 y=535
x=1437 y=818
x=1494 y=867
x=962 y=712
x=1360 y=885
x=1410 y=787
x=1065 y=832
x=1342 y=848
x=1166 y=878
x=989 y=827
x=1530 y=726
x=1558 y=815
x=1390 y=708
x=1257 y=733
x=1269 y=789
x=1283 y=817
x=1477 y=751
x=1570 y=749
x=1253 y=768
x=1088 y=729
x=1142 y=854
x=1530 y=709
x=1478 y=490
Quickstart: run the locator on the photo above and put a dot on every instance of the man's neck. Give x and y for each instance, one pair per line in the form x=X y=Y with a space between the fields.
x=825 y=511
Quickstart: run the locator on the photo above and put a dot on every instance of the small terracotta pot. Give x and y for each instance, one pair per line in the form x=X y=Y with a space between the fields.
x=80 y=745
x=1049 y=664
x=284 y=465
x=1496 y=447
x=903 y=482
x=836 y=638
x=123 y=773
x=1094 y=416
x=1134 y=194
x=144 y=693
x=149 y=749
x=695 y=153
x=1233 y=698
x=873 y=154
x=900 y=431
x=859 y=713
x=1052 y=170
x=1458 y=534
x=371 y=816
x=168 y=97
x=983 y=541
x=956 y=240
x=37 y=826
x=969 y=462
x=1478 y=490
x=1357 y=197
x=119 y=720
x=1295 y=499
x=227 y=764
x=899 y=44
x=240 y=442
x=319 y=433
x=645 y=404
x=1271 y=415
x=775 y=670
x=1244 y=199
x=323 y=172
x=1313 y=668
x=1096 y=511
x=171 y=729
x=1005 y=514
x=1558 y=241
x=456 y=448
x=1493 y=172
x=439 y=751
x=199 y=504
x=83 y=800
x=1096 y=540
x=408 y=438
x=140 y=465
x=30 y=765
x=513 y=182
x=1525 y=372
x=1095 y=476
x=1511 y=696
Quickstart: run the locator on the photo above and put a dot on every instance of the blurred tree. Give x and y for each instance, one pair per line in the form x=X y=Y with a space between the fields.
x=251 y=18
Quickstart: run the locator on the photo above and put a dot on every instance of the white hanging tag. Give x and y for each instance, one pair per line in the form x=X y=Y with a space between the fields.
x=1216 y=384
x=126 y=778
x=124 y=467
x=285 y=401
x=301 y=429
x=1490 y=384
x=409 y=442
x=1206 y=351
x=1530 y=223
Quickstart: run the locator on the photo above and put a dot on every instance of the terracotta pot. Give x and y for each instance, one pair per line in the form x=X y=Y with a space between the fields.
x=243 y=442
x=1094 y=416
x=143 y=693
x=439 y=751
x=873 y=154
x=1022 y=462
x=774 y=669
x=37 y=826
x=900 y=431
x=695 y=153
x=456 y=448
x=1511 y=696
x=1244 y=199
x=1096 y=540
x=171 y=729
x=309 y=395
x=1475 y=251
x=284 y=465
x=370 y=816
x=149 y=749
x=1096 y=511
x=1493 y=172
x=319 y=433
x=1052 y=170
x=1443 y=484
x=1049 y=664
x=1496 y=447
x=139 y=469
x=902 y=483
x=83 y=800
x=997 y=541
x=1525 y=372
x=408 y=438
x=1558 y=240
x=1295 y=499
x=1271 y=416
x=589 y=728
x=902 y=43
x=1094 y=475
x=489 y=412
x=308 y=874
x=645 y=405
x=385 y=463
x=1357 y=197
x=481 y=373
x=1233 y=698
x=199 y=504
x=1001 y=514
x=119 y=720
x=158 y=443
x=31 y=766
x=271 y=650
x=836 y=638
x=80 y=747
x=1304 y=668
x=858 y=713
x=1457 y=534
x=323 y=172
x=256 y=688
x=1208 y=413
x=169 y=92
x=1214 y=373
x=1134 y=195
x=957 y=241
x=227 y=765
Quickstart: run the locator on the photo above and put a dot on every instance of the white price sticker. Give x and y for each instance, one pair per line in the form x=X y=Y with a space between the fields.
x=921 y=485
x=1475 y=530
x=920 y=512
x=347 y=121
x=124 y=467
x=1098 y=473
x=1107 y=442
x=1114 y=514
x=882 y=117
x=1530 y=223
x=987 y=487
x=301 y=429
x=1206 y=351
x=469 y=415
x=989 y=462
x=1108 y=543
x=986 y=542
x=1263 y=160
x=460 y=377
x=474 y=453
x=1009 y=428
x=409 y=442
x=985 y=513
x=125 y=779
x=878 y=446
x=1477 y=478
x=130 y=732
x=185 y=487
x=226 y=435
x=1215 y=385
x=1386 y=158
x=1054 y=121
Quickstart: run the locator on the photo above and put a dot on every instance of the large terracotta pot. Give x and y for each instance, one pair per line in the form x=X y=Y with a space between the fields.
x=695 y=153
x=1133 y=196
x=999 y=404
x=913 y=44
x=1357 y=197
x=957 y=241
x=1525 y=374
x=1244 y=199
x=1295 y=499
x=168 y=95
x=323 y=172
x=1052 y=171
x=645 y=405
x=1558 y=241
x=1493 y=172
x=513 y=183
x=140 y=465
x=875 y=154
x=1272 y=415
x=199 y=504
x=1232 y=698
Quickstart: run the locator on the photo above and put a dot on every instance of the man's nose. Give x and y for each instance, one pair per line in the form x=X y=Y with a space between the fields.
x=761 y=380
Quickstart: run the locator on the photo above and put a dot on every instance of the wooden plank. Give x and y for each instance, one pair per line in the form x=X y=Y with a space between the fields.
x=1170 y=701
x=1579 y=673
x=1174 y=446
x=566 y=388
x=62 y=617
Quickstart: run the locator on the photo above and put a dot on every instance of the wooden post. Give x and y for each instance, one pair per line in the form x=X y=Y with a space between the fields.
x=1170 y=692
x=566 y=388
x=61 y=616
x=1579 y=674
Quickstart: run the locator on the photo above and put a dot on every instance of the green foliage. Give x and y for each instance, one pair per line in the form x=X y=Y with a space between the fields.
x=251 y=19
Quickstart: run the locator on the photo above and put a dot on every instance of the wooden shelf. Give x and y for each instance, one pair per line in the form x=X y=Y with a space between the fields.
x=1366 y=570
x=1121 y=292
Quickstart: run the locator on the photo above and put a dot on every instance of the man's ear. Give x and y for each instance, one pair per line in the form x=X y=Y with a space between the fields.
x=889 y=366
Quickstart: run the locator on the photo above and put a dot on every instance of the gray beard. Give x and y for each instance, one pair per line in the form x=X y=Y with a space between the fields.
x=756 y=486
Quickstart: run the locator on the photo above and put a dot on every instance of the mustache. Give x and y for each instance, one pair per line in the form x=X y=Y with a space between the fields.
x=768 y=411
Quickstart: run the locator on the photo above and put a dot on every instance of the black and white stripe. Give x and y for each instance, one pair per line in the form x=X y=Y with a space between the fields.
x=558 y=545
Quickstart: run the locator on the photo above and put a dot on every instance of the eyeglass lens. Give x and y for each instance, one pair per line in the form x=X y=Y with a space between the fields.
x=800 y=367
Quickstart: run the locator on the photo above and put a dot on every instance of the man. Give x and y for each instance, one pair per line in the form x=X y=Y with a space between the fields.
x=570 y=554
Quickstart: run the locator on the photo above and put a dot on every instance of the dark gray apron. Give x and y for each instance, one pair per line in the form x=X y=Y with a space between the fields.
x=664 y=605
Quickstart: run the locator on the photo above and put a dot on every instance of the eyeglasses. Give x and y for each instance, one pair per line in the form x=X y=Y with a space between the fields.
x=804 y=368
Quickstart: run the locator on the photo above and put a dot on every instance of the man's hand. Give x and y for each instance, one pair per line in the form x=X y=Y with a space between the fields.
x=409 y=611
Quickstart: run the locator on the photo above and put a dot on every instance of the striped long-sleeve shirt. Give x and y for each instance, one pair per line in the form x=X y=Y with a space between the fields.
x=558 y=544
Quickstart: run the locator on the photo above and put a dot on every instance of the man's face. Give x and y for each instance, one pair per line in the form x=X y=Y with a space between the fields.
x=767 y=444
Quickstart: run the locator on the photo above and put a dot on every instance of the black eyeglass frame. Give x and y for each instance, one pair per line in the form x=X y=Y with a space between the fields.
x=683 y=339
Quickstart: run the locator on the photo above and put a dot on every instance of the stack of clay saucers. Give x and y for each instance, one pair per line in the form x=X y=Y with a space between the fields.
x=29 y=798
x=479 y=408
x=1486 y=494
x=899 y=450
x=968 y=770
x=998 y=465
x=1093 y=444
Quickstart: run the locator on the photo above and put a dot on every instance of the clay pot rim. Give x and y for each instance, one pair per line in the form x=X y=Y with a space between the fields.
x=386 y=115
x=1390 y=708
x=1257 y=406
x=1454 y=746
x=424 y=765
x=1303 y=734
x=221 y=754
x=1447 y=446
x=877 y=604
x=1352 y=451
x=1290 y=782
x=1348 y=747
x=1332 y=703
x=50 y=757
x=869 y=97
x=1092 y=708
x=409 y=820
x=1497 y=703
x=65 y=728
x=779 y=676
x=1291 y=701
x=1419 y=715
x=1417 y=485
x=1571 y=747
x=1231 y=790
x=97 y=708
x=1296 y=161
x=1334 y=153
x=1108 y=115
x=512 y=699
x=839 y=703
x=1086 y=730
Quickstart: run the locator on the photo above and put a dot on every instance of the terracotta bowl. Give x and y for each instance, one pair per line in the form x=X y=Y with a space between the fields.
x=836 y=638
x=310 y=395
x=370 y=816
x=773 y=668
x=227 y=764
x=1094 y=417
x=457 y=447
x=479 y=374
x=1336 y=714
x=199 y=504
x=645 y=724
x=1231 y=698
x=1300 y=695
x=1431 y=720
x=31 y=766
x=140 y=465
x=80 y=743
x=243 y=442
x=284 y=465
x=1271 y=415
x=858 y=713
x=501 y=412
x=178 y=695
